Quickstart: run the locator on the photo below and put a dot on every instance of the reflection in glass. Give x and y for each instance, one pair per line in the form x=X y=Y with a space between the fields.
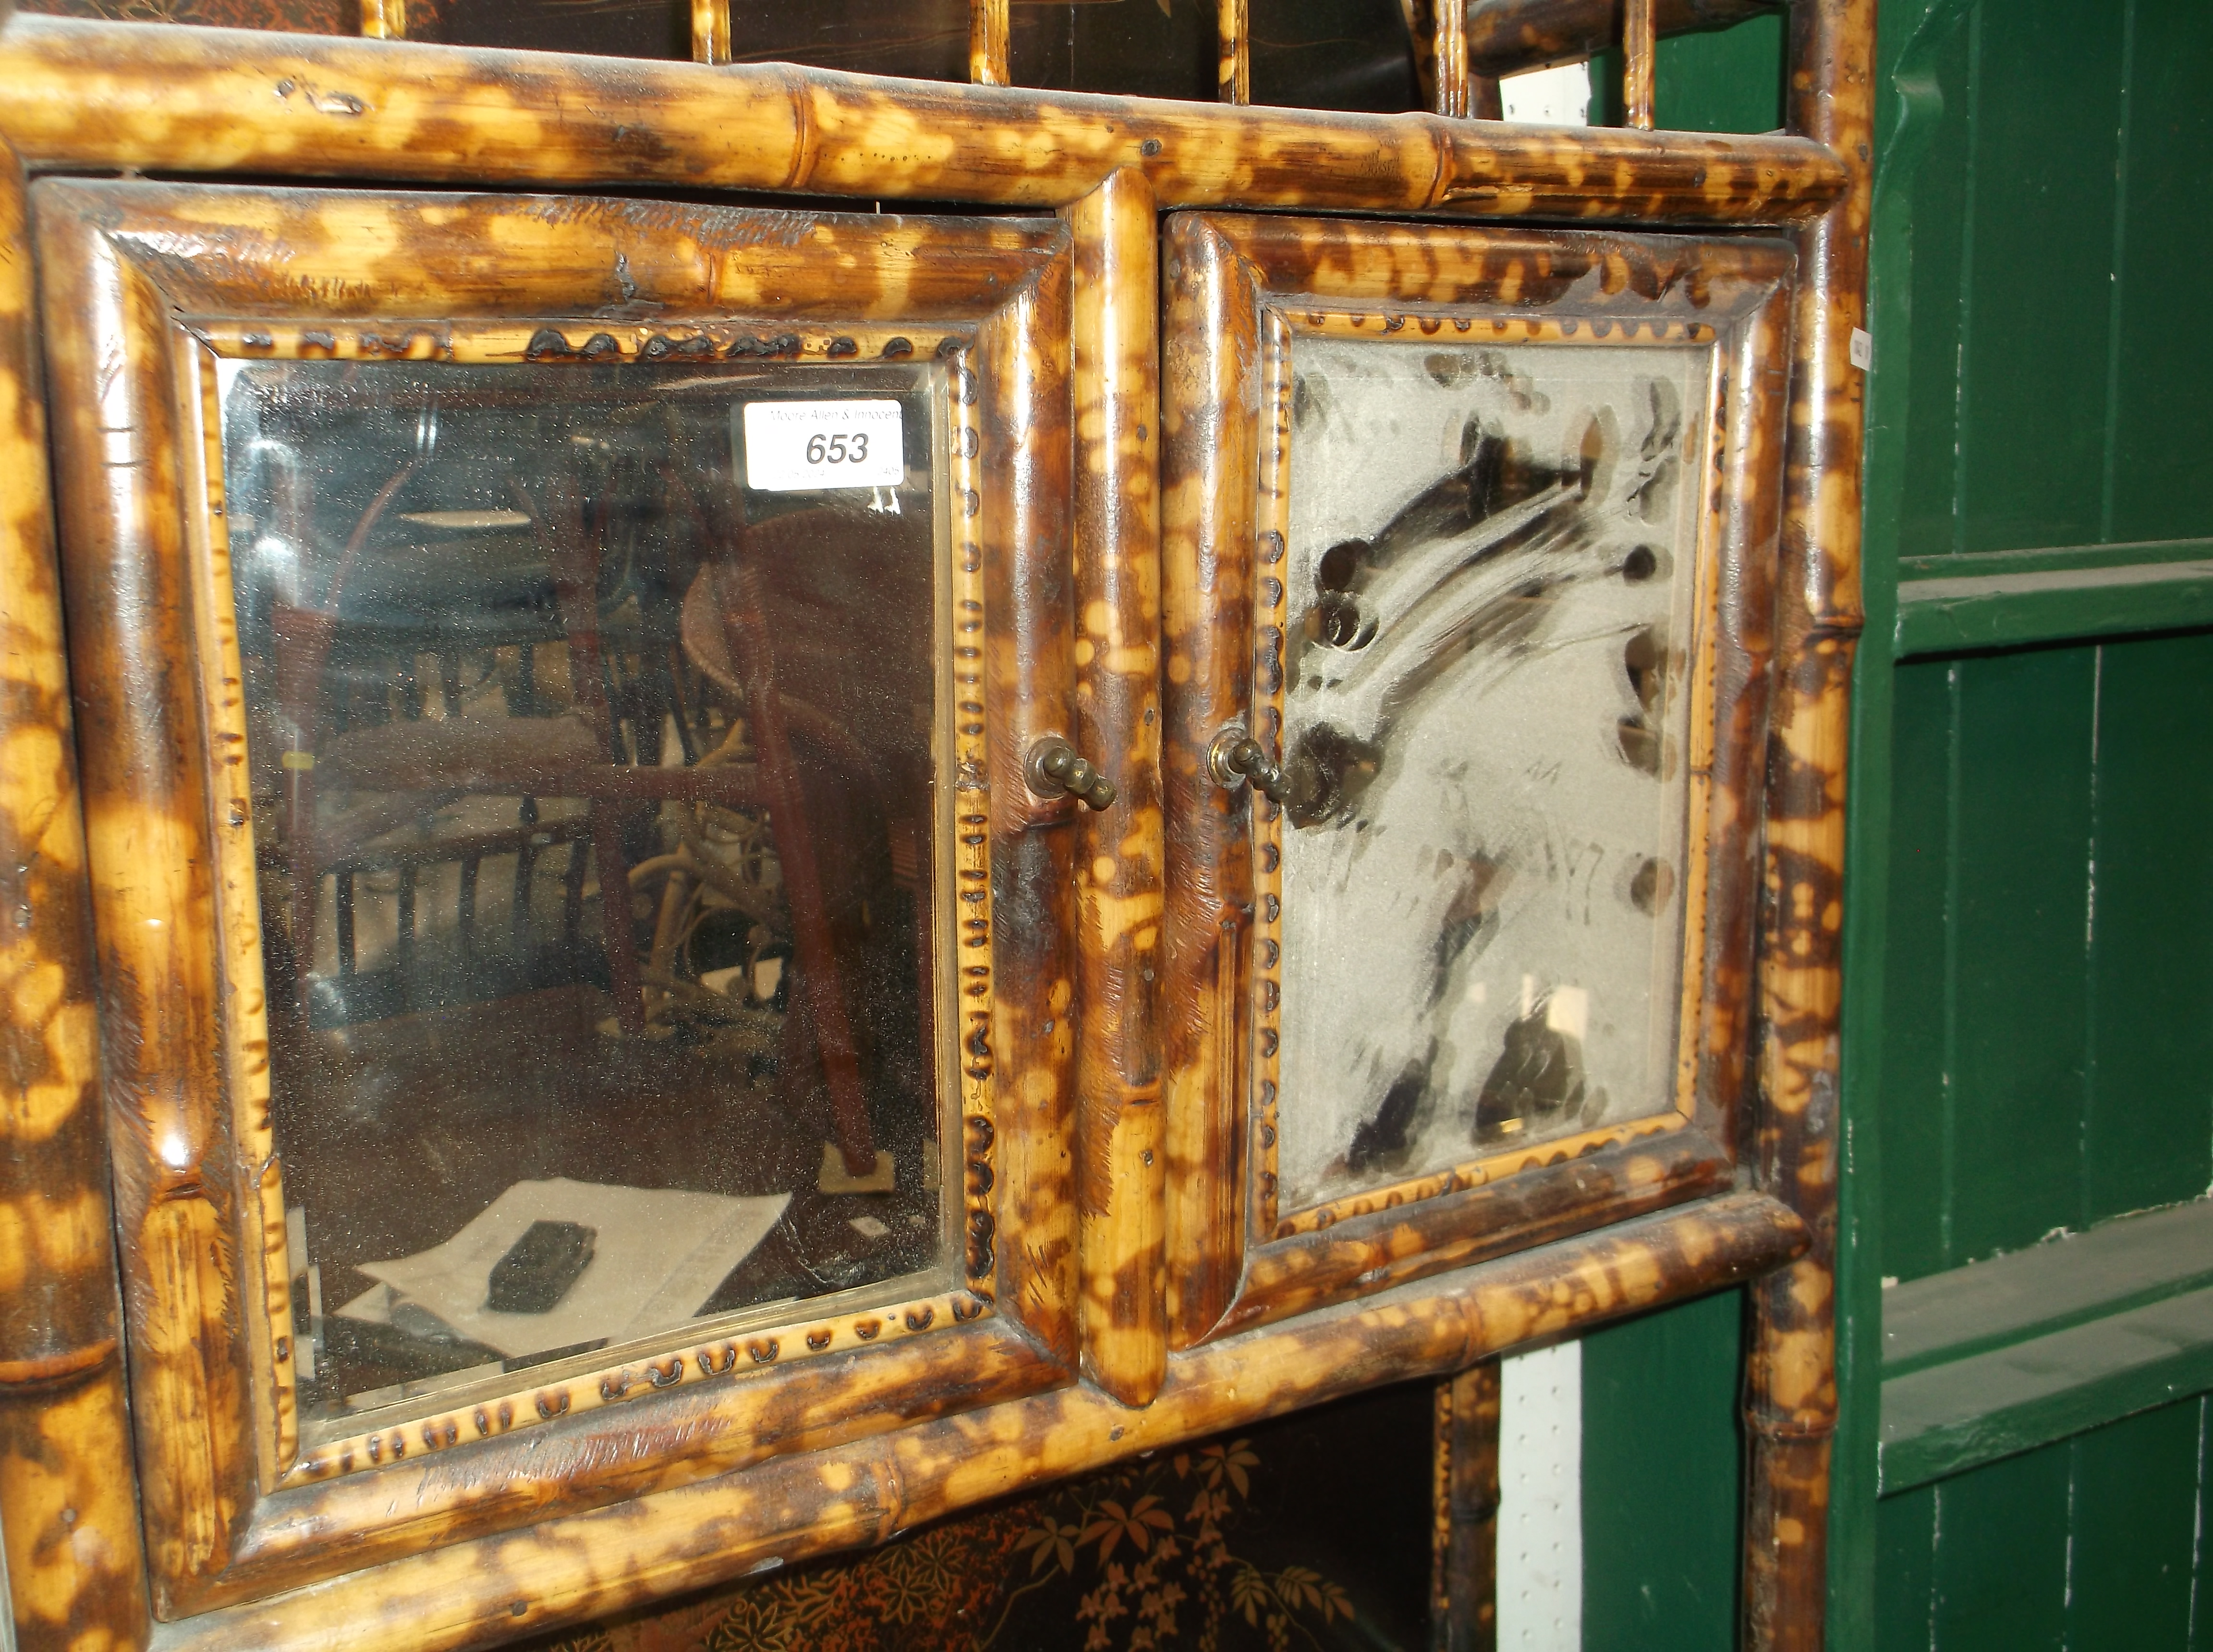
x=595 y=802
x=1488 y=579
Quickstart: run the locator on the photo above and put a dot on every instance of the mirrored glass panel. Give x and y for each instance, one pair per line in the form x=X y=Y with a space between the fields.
x=592 y=718
x=1489 y=579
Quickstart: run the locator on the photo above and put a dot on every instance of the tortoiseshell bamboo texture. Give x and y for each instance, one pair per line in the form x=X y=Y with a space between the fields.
x=1121 y=1168
x=1464 y=1559
x=989 y=43
x=1234 y=51
x=1639 y=64
x=68 y=1499
x=384 y=20
x=233 y=1508
x=1511 y=36
x=481 y=1593
x=1449 y=54
x=711 y=31
x=1790 y=1406
x=1235 y=287
x=182 y=100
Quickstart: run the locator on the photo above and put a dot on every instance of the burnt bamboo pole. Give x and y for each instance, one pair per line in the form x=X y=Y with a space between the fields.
x=1511 y=36
x=1233 y=52
x=69 y=1501
x=1640 y=49
x=1121 y=1157
x=1450 y=52
x=1464 y=1562
x=186 y=99
x=989 y=43
x=711 y=30
x=1790 y=1406
x=146 y=787
x=384 y=20
x=492 y=1589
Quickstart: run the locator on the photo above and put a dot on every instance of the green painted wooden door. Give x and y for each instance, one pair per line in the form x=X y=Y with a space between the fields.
x=2028 y=1046
x=2029 y=1040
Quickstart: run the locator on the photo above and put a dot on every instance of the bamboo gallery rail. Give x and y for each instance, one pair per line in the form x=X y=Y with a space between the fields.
x=588 y=1514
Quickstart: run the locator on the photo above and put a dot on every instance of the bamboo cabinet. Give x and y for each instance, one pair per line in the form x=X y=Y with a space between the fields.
x=753 y=869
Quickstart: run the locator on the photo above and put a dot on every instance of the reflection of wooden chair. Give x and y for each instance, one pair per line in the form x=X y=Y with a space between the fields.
x=431 y=762
x=781 y=616
x=736 y=651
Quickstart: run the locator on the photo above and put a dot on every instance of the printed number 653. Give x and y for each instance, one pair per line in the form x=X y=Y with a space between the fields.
x=838 y=449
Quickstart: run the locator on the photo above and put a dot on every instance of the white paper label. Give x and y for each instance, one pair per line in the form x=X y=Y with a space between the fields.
x=1863 y=349
x=794 y=446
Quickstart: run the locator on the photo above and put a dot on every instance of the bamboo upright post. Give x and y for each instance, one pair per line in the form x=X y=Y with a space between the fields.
x=1790 y=1406
x=1233 y=33
x=1451 y=54
x=1463 y=1558
x=1121 y=1157
x=384 y=20
x=1639 y=50
x=1510 y=37
x=69 y=1501
x=989 y=43
x=402 y=113
x=711 y=30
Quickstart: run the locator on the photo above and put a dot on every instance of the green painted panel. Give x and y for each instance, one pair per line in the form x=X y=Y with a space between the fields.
x=1729 y=81
x=2134 y=1519
x=1931 y=269
x=2047 y=110
x=1949 y=1418
x=1905 y=1571
x=2023 y=801
x=1913 y=1088
x=2091 y=1543
x=2001 y=1562
x=2161 y=484
x=1964 y=612
x=2149 y=1134
x=1662 y=1471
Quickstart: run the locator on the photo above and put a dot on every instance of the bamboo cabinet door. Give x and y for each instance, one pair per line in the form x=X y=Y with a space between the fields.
x=1468 y=539
x=581 y=915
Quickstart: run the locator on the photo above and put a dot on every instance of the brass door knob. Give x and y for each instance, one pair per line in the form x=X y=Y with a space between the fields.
x=1236 y=756
x=1054 y=767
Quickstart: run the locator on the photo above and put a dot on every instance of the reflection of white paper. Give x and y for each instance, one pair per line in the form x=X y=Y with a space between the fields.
x=657 y=1259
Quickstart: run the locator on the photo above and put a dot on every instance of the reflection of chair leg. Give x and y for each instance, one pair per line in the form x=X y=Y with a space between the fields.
x=745 y=635
x=572 y=553
x=303 y=648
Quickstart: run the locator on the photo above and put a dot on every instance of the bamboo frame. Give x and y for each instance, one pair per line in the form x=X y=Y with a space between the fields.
x=385 y=20
x=711 y=31
x=1640 y=49
x=1511 y=36
x=1234 y=51
x=1120 y=1164
x=197 y=1177
x=1239 y=292
x=1448 y=57
x=481 y=1593
x=989 y=43
x=1464 y=1512
x=1790 y=1400
x=75 y=1567
x=191 y=101
x=188 y=100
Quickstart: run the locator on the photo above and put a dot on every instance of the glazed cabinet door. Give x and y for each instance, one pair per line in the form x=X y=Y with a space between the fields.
x=569 y=693
x=1468 y=539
